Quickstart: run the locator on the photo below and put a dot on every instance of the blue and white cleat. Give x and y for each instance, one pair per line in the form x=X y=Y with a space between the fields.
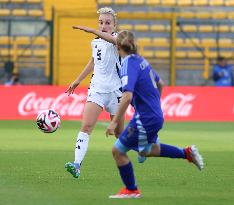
x=141 y=159
x=73 y=169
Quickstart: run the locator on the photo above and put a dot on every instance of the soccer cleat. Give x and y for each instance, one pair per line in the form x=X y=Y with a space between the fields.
x=193 y=156
x=141 y=159
x=73 y=168
x=124 y=193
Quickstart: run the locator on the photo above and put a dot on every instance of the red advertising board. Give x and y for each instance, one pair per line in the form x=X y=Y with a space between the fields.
x=178 y=103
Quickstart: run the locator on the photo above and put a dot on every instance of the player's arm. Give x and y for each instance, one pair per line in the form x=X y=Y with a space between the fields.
x=160 y=85
x=159 y=82
x=124 y=103
x=87 y=70
x=105 y=36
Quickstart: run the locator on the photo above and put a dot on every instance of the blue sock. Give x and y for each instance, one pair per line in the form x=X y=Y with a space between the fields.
x=171 y=151
x=127 y=174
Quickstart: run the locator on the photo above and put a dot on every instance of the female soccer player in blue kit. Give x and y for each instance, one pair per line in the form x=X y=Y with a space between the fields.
x=142 y=88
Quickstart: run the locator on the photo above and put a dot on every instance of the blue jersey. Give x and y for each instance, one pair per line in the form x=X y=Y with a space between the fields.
x=138 y=77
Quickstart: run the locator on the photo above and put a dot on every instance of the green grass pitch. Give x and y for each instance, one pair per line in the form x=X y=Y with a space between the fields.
x=32 y=167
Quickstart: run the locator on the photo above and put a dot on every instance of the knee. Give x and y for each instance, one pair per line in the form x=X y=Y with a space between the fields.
x=120 y=158
x=115 y=153
x=87 y=128
x=155 y=151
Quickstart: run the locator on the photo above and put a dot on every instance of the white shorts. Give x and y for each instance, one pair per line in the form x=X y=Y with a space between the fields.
x=109 y=101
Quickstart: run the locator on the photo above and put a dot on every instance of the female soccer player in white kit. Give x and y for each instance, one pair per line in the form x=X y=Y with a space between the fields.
x=105 y=84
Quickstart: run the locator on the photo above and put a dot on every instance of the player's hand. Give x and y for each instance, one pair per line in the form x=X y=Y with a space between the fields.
x=72 y=88
x=83 y=28
x=111 y=128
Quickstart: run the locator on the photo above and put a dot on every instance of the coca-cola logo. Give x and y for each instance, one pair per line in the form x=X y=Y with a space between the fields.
x=177 y=105
x=173 y=105
x=64 y=105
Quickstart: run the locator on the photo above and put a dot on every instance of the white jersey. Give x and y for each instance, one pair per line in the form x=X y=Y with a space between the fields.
x=106 y=63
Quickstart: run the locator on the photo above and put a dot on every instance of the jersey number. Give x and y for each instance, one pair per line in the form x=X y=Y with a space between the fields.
x=99 y=54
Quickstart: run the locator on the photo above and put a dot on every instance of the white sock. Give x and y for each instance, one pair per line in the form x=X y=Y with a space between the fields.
x=81 y=147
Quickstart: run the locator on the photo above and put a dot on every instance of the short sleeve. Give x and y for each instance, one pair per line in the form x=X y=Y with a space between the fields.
x=130 y=75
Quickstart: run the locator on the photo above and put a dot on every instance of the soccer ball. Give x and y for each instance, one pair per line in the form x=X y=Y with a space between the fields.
x=48 y=121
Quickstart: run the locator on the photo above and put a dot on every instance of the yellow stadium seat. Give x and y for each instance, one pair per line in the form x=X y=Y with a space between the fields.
x=6 y=52
x=229 y=3
x=184 y=2
x=144 y=40
x=186 y=15
x=23 y=40
x=219 y=15
x=5 y=40
x=227 y=54
x=225 y=41
x=137 y=2
x=212 y=55
x=223 y=28
x=40 y=53
x=120 y=2
x=125 y=27
x=153 y=2
x=208 y=41
x=160 y=41
x=194 y=54
x=169 y=2
x=27 y=52
x=181 y=54
x=203 y=15
x=190 y=28
x=230 y=15
x=40 y=40
x=35 y=12
x=200 y=2
x=232 y=29
x=34 y=1
x=205 y=28
x=179 y=41
x=162 y=54
x=141 y=27
x=158 y=28
x=5 y=12
x=217 y=2
x=192 y=41
x=19 y=12
x=18 y=1
x=104 y=2
x=147 y=54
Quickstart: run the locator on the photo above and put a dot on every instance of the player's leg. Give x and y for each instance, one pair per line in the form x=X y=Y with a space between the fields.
x=125 y=167
x=90 y=116
x=112 y=107
x=169 y=151
x=126 y=173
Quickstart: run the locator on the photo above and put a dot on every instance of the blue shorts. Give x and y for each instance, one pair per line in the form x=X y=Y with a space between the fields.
x=136 y=137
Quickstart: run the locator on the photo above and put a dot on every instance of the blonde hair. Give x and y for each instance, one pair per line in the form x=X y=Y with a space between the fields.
x=108 y=10
x=126 y=41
